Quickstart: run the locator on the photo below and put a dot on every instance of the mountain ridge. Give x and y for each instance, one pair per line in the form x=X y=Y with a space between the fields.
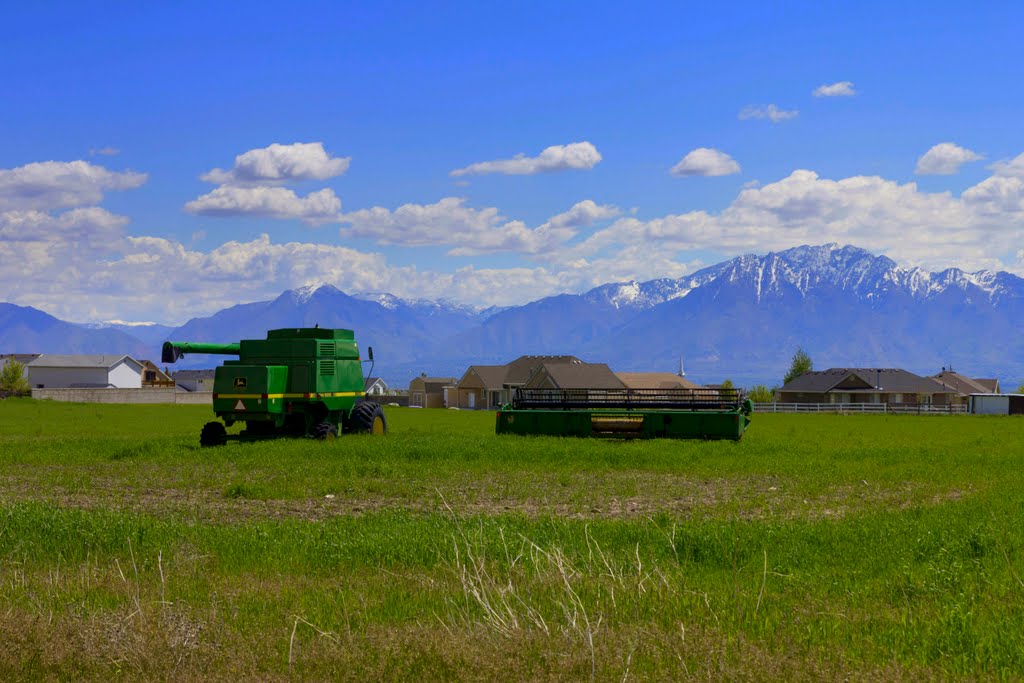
x=741 y=318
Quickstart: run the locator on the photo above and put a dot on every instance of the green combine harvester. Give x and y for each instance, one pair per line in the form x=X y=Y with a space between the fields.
x=627 y=413
x=304 y=382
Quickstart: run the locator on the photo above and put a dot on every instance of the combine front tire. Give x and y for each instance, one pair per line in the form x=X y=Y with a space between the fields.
x=325 y=431
x=368 y=417
x=213 y=434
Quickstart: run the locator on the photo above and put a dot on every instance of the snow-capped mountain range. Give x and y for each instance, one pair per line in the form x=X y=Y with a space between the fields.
x=740 y=319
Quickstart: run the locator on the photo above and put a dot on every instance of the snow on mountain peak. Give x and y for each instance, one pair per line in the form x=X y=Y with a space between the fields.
x=304 y=294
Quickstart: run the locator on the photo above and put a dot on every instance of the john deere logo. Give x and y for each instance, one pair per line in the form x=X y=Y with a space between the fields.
x=240 y=383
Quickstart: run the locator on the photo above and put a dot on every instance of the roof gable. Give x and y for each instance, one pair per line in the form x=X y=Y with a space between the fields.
x=519 y=370
x=576 y=376
x=963 y=385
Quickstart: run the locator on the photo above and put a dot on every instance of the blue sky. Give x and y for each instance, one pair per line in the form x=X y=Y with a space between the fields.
x=350 y=125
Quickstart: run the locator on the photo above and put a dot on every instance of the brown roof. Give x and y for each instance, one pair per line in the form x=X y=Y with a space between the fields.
x=492 y=376
x=864 y=380
x=991 y=385
x=654 y=380
x=961 y=384
x=434 y=383
x=579 y=376
x=519 y=370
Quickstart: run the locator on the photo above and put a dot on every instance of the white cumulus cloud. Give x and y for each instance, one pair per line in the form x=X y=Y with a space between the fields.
x=279 y=163
x=1013 y=167
x=317 y=207
x=979 y=229
x=945 y=158
x=839 y=89
x=468 y=230
x=707 y=162
x=576 y=155
x=770 y=112
x=49 y=185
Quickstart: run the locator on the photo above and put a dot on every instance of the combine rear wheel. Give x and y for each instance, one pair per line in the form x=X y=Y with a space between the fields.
x=368 y=417
x=325 y=431
x=213 y=434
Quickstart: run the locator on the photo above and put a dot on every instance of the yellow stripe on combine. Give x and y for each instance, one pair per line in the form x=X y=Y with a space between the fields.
x=334 y=394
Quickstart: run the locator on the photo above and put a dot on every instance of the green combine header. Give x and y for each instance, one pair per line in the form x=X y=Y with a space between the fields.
x=627 y=413
x=296 y=382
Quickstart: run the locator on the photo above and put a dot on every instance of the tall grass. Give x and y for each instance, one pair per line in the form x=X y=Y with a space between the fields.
x=818 y=547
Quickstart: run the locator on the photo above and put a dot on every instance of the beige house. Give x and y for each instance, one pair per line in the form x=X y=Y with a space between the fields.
x=488 y=387
x=430 y=392
x=655 y=380
x=482 y=386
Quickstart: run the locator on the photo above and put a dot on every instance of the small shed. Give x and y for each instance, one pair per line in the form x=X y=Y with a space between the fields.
x=85 y=371
x=996 y=404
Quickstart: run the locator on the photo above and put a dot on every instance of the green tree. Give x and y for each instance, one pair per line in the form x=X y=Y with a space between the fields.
x=727 y=384
x=12 y=379
x=800 y=364
x=1020 y=389
x=761 y=394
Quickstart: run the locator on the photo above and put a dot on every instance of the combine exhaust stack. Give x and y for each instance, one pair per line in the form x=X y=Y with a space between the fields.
x=627 y=413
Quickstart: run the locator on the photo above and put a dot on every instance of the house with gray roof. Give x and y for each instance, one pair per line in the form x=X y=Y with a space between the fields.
x=375 y=386
x=50 y=371
x=865 y=385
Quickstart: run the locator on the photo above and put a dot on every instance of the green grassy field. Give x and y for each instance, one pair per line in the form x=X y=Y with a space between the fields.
x=819 y=547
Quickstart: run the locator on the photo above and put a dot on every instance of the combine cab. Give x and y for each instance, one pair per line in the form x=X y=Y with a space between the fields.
x=296 y=382
x=627 y=413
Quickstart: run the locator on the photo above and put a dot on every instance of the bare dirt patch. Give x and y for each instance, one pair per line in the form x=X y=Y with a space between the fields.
x=631 y=496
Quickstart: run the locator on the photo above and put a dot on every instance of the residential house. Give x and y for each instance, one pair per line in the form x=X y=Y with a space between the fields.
x=655 y=380
x=865 y=385
x=965 y=386
x=86 y=371
x=152 y=376
x=482 y=386
x=375 y=386
x=430 y=392
x=194 y=380
x=491 y=386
